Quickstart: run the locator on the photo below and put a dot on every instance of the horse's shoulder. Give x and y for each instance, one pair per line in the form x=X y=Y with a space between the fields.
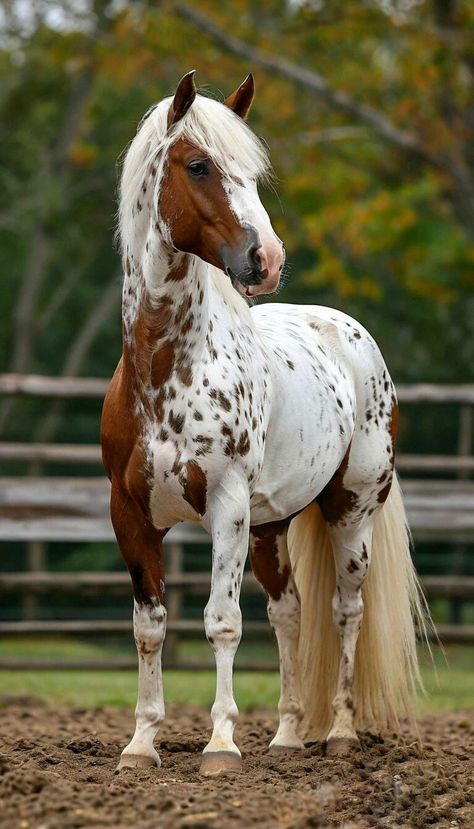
x=119 y=433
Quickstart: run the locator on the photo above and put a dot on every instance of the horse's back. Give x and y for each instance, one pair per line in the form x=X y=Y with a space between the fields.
x=325 y=329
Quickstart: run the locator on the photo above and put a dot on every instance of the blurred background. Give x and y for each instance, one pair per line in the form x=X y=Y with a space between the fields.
x=367 y=109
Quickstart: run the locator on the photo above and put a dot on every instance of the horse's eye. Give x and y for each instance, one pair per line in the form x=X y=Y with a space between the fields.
x=197 y=169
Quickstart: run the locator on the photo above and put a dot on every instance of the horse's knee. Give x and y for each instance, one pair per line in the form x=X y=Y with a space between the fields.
x=149 y=626
x=223 y=626
x=152 y=713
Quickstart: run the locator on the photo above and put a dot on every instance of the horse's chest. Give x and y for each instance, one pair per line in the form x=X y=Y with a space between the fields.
x=190 y=451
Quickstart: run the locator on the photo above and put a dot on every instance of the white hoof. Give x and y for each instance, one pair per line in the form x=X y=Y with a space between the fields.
x=139 y=761
x=286 y=742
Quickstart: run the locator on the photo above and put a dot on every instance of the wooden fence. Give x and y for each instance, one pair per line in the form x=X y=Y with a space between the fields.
x=42 y=509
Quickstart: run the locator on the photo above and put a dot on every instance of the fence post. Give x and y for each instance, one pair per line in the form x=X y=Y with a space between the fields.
x=464 y=450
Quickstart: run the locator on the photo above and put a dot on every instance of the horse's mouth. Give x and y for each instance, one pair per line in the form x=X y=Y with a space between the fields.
x=246 y=284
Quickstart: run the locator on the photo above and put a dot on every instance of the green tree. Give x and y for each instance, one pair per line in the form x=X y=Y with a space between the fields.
x=369 y=121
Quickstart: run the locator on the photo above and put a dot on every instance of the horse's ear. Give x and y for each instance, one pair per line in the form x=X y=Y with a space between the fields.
x=183 y=98
x=241 y=100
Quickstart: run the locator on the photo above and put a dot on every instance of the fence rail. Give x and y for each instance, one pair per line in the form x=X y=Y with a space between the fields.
x=77 y=509
x=90 y=454
x=458 y=634
x=38 y=385
x=93 y=582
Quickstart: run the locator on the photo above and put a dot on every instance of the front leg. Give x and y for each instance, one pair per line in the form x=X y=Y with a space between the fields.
x=229 y=525
x=141 y=546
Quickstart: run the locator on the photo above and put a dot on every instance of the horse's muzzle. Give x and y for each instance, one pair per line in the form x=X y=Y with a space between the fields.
x=244 y=265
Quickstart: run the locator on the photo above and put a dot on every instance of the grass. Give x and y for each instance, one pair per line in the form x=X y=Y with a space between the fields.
x=452 y=690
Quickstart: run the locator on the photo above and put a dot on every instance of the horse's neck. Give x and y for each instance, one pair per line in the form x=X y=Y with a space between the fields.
x=171 y=310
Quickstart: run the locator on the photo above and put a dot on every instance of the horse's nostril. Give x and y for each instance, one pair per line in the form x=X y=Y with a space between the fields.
x=253 y=257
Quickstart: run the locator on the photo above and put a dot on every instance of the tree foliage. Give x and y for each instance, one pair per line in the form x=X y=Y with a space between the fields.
x=369 y=118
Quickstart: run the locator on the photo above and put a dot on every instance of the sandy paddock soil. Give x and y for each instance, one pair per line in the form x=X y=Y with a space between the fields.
x=57 y=771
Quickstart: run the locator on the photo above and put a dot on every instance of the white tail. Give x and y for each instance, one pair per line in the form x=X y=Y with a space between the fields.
x=386 y=675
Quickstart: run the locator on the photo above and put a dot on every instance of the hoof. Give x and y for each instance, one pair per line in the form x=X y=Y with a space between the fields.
x=341 y=746
x=138 y=761
x=215 y=763
x=279 y=748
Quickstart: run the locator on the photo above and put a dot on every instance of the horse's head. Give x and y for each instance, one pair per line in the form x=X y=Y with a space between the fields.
x=208 y=200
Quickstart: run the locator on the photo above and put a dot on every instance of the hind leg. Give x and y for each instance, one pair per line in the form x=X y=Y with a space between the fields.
x=271 y=566
x=349 y=504
x=352 y=549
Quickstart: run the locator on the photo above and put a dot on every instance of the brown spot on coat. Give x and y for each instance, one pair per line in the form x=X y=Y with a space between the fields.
x=224 y=401
x=243 y=446
x=230 y=445
x=393 y=427
x=205 y=444
x=185 y=374
x=176 y=421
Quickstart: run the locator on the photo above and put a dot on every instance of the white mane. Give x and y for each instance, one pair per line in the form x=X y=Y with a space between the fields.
x=227 y=140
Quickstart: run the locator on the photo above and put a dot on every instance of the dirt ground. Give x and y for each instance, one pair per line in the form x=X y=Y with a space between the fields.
x=57 y=771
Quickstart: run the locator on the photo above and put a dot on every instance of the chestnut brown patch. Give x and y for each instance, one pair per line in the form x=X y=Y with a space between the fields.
x=384 y=493
x=159 y=404
x=140 y=544
x=194 y=482
x=161 y=364
x=335 y=501
x=264 y=557
x=393 y=427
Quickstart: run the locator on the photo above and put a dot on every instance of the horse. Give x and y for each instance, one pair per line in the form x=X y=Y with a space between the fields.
x=271 y=425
